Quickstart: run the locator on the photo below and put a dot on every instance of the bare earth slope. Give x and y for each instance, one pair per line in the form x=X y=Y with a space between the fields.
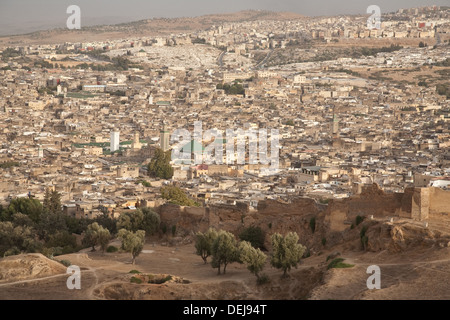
x=28 y=266
x=414 y=263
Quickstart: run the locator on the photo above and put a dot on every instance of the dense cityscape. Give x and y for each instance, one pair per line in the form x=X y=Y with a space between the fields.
x=352 y=108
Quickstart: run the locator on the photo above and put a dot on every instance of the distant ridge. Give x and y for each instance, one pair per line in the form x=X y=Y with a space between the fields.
x=148 y=27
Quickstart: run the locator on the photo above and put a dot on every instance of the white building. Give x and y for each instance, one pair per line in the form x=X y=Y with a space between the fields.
x=115 y=141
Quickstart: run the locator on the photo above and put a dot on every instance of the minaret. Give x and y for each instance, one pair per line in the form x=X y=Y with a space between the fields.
x=136 y=143
x=164 y=138
x=335 y=125
x=115 y=141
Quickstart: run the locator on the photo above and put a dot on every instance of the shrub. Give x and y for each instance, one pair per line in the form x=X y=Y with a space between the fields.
x=69 y=249
x=333 y=255
x=134 y=271
x=339 y=263
x=66 y=263
x=263 y=279
x=174 y=230
x=307 y=253
x=135 y=280
x=57 y=251
x=254 y=235
x=364 y=238
x=359 y=219
x=422 y=84
x=146 y=184
x=324 y=241
x=363 y=231
x=11 y=252
x=111 y=249
x=364 y=241
x=312 y=224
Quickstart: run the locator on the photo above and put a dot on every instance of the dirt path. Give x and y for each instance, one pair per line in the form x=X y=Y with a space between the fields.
x=32 y=280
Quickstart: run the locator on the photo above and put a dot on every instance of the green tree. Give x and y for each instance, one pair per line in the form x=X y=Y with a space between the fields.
x=146 y=184
x=224 y=251
x=14 y=239
x=203 y=243
x=286 y=251
x=20 y=219
x=107 y=222
x=159 y=166
x=90 y=236
x=77 y=225
x=103 y=238
x=253 y=258
x=131 y=220
x=51 y=223
x=151 y=221
x=95 y=234
x=62 y=242
x=290 y=123
x=177 y=196
x=132 y=242
x=30 y=207
x=52 y=201
x=254 y=235
x=234 y=89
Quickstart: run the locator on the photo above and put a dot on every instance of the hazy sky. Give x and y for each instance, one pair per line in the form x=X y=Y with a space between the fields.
x=21 y=16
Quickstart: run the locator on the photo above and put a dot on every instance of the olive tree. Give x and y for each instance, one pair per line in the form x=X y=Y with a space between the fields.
x=131 y=220
x=224 y=250
x=286 y=251
x=141 y=219
x=132 y=242
x=204 y=242
x=95 y=234
x=151 y=221
x=252 y=257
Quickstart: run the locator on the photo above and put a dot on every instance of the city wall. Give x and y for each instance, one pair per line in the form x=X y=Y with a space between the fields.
x=278 y=216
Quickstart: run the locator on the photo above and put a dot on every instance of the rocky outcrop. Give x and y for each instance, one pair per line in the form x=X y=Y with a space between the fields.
x=397 y=238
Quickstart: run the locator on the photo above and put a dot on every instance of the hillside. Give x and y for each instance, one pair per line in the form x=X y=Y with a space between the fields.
x=415 y=272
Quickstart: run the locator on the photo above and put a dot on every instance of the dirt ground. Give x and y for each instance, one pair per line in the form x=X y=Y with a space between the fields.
x=418 y=274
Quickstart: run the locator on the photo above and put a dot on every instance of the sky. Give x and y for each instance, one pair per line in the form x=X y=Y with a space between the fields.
x=23 y=16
